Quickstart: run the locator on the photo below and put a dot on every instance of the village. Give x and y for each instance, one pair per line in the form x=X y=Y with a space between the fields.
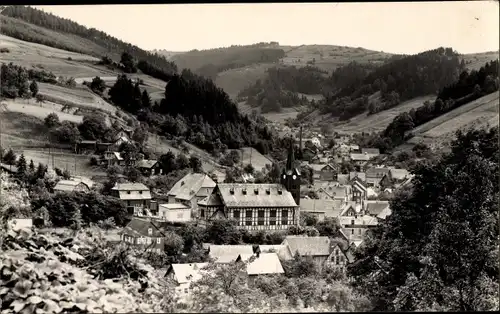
x=312 y=189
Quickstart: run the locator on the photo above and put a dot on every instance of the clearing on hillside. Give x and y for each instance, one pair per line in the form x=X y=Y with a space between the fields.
x=40 y=111
x=252 y=156
x=480 y=113
x=379 y=121
x=57 y=158
x=275 y=117
x=21 y=130
x=477 y=60
x=234 y=80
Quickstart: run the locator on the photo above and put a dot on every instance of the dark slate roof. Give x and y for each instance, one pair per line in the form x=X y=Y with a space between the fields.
x=375 y=208
x=233 y=195
x=138 y=227
x=376 y=172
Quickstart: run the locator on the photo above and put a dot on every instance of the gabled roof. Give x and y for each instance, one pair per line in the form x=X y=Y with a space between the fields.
x=132 y=191
x=138 y=227
x=377 y=172
x=147 y=164
x=130 y=187
x=357 y=208
x=331 y=208
x=359 y=175
x=336 y=192
x=185 y=273
x=189 y=186
x=68 y=185
x=85 y=180
x=308 y=246
x=263 y=264
x=228 y=253
x=211 y=200
x=255 y=195
x=359 y=186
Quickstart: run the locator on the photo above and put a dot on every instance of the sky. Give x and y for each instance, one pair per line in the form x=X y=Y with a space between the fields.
x=404 y=27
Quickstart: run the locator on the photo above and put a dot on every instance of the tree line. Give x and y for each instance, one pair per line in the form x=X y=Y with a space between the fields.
x=448 y=261
x=399 y=80
x=468 y=87
x=196 y=109
x=52 y=22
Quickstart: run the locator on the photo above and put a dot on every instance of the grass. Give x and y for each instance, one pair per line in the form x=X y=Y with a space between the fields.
x=379 y=121
x=476 y=114
x=479 y=59
x=77 y=97
x=40 y=111
x=62 y=159
x=234 y=80
x=21 y=130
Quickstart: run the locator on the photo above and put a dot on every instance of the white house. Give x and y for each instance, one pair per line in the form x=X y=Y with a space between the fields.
x=175 y=212
x=182 y=275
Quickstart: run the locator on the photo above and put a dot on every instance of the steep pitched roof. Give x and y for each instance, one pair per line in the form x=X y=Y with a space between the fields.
x=187 y=187
x=308 y=246
x=331 y=208
x=185 y=273
x=359 y=175
x=211 y=200
x=263 y=264
x=138 y=227
x=228 y=253
x=255 y=195
x=85 y=180
x=375 y=208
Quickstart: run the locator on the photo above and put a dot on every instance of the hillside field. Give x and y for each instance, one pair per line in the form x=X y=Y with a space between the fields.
x=480 y=113
x=379 y=121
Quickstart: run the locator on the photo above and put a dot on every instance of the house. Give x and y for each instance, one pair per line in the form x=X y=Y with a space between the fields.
x=324 y=172
x=182 y=275
x=190 y=190
x=318 y=248
x=253 y=206
x=175 y=212
x=375 y=174
x=83 y=179
x=361 y=176
x=359 y=192
x=356 y=227
x=353 y=148
x=378 y=209
x=71 y=186
x=144 y=233
x=360 y=160
x=261 y=264
x=149 y=167
x=331 y=190
x=86 y=147
x=339 y=259
x=223 y=254
x=135 y=196
x=321 y=208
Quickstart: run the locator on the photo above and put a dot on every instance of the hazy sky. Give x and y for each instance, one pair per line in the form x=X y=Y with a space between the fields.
x=409 y=27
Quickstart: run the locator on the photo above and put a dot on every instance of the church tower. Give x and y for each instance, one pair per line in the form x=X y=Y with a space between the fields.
x=290 y=177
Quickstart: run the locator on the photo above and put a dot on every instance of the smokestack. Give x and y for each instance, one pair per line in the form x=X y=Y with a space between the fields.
x=300 y=138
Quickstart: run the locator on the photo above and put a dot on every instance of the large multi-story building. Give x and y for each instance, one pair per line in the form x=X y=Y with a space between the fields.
x=257 y=206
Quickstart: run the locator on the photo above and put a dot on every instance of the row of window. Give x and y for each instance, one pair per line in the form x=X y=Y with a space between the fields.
x=141 y=240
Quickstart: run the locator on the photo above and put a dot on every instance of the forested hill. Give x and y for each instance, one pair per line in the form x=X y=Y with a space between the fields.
x=283 y=85
x=193 y=107
x=399 y=80
x=108 y=44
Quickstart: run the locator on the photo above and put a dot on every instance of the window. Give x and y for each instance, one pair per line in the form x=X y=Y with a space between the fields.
x=185 y=290
x=341 y=259
x=149 y=240
x=284 y=217
x=128 y=192
x=150 y=231
x=202 y=213
x=248 y=214
x=236 y=214
x=272 y=217
x=128 y=203
x=337 y=260
x=359 y=231
x=260 y=217
x=140 y=192
x=248 y=217
x=158 y=240
x=352 y=231
x=352 y=222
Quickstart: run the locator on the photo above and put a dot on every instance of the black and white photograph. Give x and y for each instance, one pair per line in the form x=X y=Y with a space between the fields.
x=249 y=157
